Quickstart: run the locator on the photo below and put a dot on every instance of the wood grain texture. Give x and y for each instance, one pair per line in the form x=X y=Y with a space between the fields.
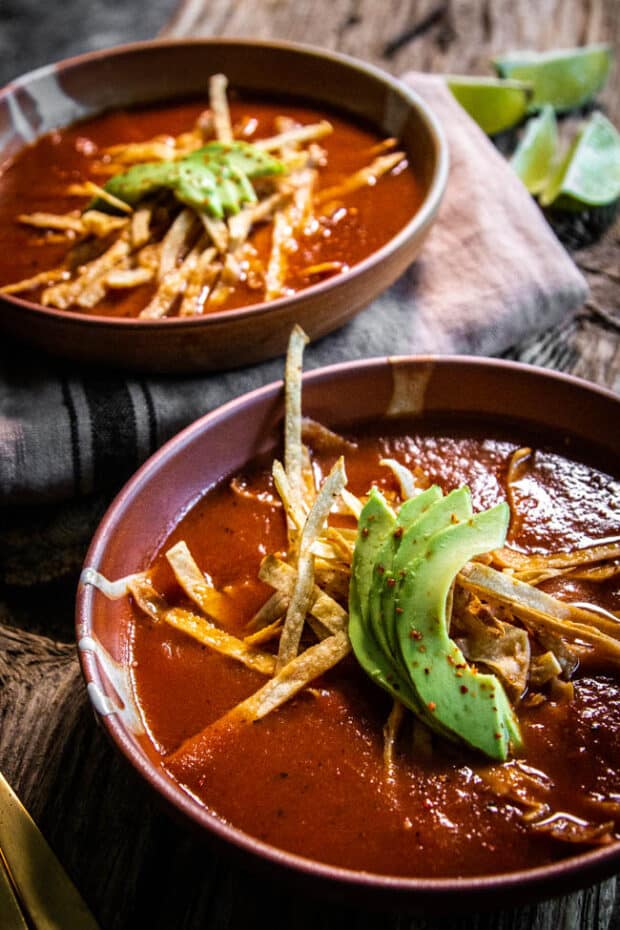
x=134 y=865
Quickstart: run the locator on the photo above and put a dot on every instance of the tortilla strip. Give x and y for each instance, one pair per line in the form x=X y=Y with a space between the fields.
x=102 y=224
x=172 y=286
x=301 y=597
x=570 y=829
x=538 y=611
x=271 y=611
x=240 y=224
x=391 y=730
x=44 y=277
x=151 y=602
x=510 y=558
x=293 y=446
x=63 y=221
x=94 y=190
x=195 y=585
x=295 y=514
x=295 y=136
x=141 y=226
x=175 y=241
x=217 y=230
x=199 y=284
x=276 y=266
x=131 y=153
x=281 y=576
x=81 y=289
x=219 y=105
x=288 y=682
x=404 y=476
x=509 y=590
x=365 y=176
x=265 y=634
x=128 y=277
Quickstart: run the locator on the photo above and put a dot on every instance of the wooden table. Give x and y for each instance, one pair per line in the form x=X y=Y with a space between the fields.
x=135 y=866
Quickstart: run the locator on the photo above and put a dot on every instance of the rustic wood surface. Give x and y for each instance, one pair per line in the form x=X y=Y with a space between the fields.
x=134 y=865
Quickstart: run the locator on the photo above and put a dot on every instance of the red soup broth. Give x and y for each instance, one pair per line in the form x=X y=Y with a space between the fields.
x=38 y=177
x=309 y=778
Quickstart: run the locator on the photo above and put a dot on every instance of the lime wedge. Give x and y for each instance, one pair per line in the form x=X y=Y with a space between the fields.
x=589 y=173
x=534 y=157
x=495 y=105
x=565 y=78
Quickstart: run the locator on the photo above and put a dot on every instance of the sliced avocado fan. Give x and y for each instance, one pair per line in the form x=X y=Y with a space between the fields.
x=215 y=179
x=404 y=566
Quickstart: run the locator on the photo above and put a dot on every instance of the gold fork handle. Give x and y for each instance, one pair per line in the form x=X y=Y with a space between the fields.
x=44 y=889
x=12 y=917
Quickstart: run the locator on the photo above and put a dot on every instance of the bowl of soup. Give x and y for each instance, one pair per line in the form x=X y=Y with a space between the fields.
x=377 y=647
x=177 y=206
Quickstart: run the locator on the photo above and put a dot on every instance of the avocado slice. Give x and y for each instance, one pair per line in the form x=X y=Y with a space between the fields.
x=473 y=706
x=454 y=507
x=403 y=569
x=214 y=179
x=409 y=513
x=376 y=526
x=377 y=521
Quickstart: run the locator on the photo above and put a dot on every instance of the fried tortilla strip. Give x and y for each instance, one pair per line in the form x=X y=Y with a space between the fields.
x=151 y=602
x=288 y=682
x=63 y=221
x=365 y=176
x=102 y=224
x=195 y=585
x=38 y=280
x=585 y=631
x=281 y=576
x=85 y=289
x=265 y=634
x=510 y=558
x=391 y=730
x=293 y=446
x=296 y=136
x=171 y=287
x=200 y=283
x=570 y=829
x=272 y=610
x=176 y=241
x=217 y=230
x=122 y=278
x=302 y=594
x=94 y=190
x=162 y=148
x=322 y=439
x=404 y=476
x=295 y=514
x=281 y=236
x=240 y=224
x=516 y=465
x=219 y=106
x=141 y=225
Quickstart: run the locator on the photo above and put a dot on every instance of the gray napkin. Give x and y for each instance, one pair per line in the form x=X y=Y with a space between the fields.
x=490 y=274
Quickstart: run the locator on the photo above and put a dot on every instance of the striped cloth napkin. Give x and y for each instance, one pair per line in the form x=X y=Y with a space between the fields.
x=491 y=275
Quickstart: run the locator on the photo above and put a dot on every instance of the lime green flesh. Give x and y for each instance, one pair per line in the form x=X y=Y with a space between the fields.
x=403 y=569
x=494 y=104
x=534 y=158
x=589 y=173
x=564 y=78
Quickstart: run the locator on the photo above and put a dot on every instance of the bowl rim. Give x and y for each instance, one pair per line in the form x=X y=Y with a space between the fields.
x=419 y=221
x=584 y=868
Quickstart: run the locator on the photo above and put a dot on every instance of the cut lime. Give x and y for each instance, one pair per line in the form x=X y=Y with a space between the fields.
x=565 y=78
x=534 y=157
x=589 y=173
x=495 y=105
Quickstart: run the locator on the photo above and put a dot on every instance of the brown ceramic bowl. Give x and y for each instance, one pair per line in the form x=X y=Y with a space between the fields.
x=60 y=94
x=220 y=444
